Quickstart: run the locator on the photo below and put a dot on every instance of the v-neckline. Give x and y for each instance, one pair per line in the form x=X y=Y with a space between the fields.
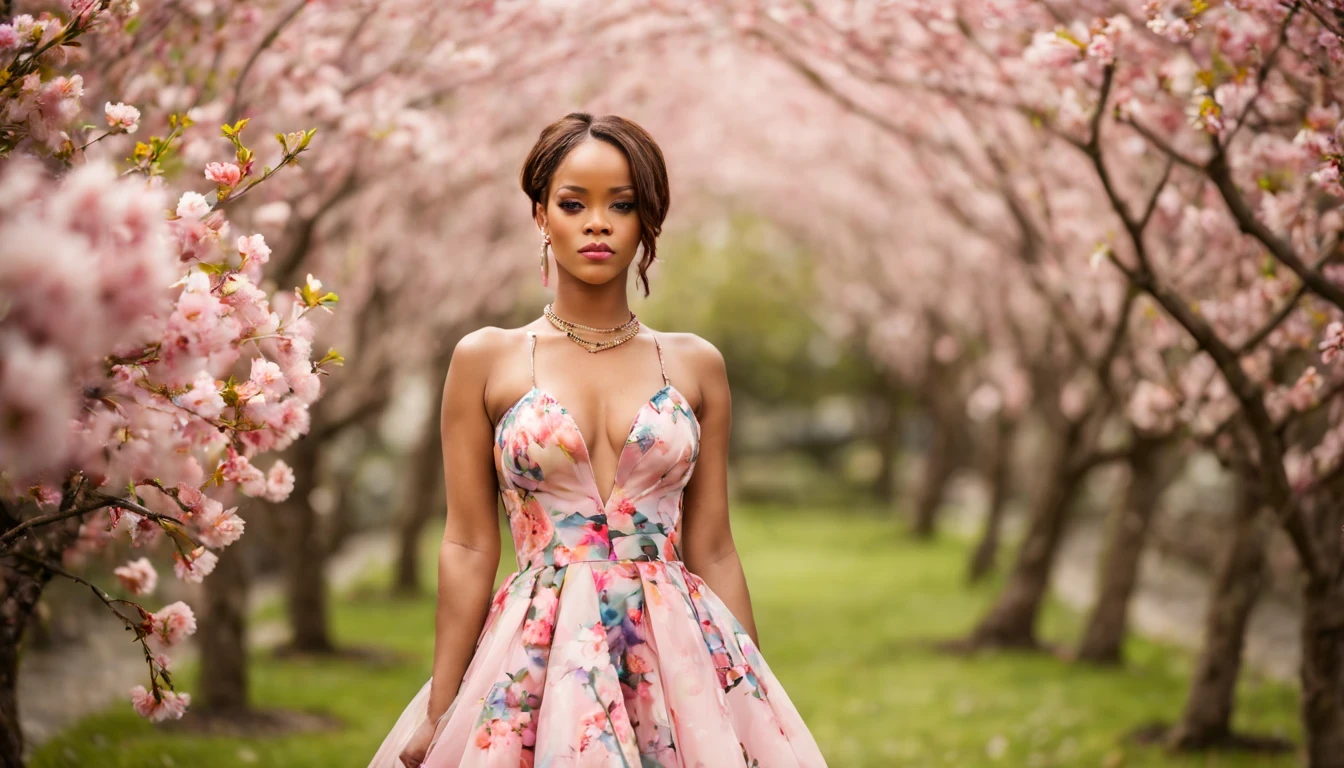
x=594 y=489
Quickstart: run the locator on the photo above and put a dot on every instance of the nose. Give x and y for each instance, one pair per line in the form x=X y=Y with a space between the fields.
x=597 y=225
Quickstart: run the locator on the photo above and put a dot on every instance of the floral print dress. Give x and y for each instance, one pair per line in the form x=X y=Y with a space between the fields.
x=602 y=649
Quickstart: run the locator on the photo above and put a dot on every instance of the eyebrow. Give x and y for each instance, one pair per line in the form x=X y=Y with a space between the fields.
x=613 y=190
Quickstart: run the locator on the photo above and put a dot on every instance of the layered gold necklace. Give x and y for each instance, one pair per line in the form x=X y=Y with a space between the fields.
x=627 y=330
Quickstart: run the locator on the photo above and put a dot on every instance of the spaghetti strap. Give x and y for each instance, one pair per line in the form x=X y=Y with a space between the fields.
x=661 y=367
x=532 y=357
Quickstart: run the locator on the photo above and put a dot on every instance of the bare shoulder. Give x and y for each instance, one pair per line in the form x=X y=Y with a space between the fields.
x=695 y=352
x=476 y=354
x=700 y=362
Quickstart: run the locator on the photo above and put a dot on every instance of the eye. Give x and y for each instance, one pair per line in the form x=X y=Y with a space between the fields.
x=566 y=205
x=626 y=206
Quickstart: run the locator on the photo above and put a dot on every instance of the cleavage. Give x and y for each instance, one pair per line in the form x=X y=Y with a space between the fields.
x=605 y=488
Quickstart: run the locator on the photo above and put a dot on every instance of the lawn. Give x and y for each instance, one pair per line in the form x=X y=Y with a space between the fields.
x=843 y=603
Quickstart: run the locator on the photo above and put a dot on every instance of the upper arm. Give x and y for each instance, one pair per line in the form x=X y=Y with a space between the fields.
x=468 y=445
x=706 y=534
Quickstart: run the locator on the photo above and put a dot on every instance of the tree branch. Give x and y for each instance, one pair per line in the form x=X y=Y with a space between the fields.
x=1221 y=175
x=1263 y=332
x=55 y=517
x=1162 y=145
x=1249 y=395
x=236 y=103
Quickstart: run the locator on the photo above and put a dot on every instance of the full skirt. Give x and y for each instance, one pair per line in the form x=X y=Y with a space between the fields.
x=620 y=664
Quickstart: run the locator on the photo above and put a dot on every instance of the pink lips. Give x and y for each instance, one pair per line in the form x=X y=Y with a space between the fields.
x=597 y=252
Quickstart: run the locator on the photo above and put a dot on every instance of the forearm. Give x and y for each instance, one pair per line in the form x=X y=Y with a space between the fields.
x=723 y=573
x=466 y=584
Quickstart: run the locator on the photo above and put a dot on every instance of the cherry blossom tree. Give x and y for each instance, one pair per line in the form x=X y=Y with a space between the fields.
x=1175 y=170
x=1226 y=118
x=143 y=370
x=1116 y=220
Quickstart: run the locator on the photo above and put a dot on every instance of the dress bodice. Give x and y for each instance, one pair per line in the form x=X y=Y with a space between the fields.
x=556 y=512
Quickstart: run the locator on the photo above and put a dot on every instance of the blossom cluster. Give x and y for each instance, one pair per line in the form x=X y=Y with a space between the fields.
x=144 y=371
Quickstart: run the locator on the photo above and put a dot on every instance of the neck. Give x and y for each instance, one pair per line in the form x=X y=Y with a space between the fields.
x=597 y=311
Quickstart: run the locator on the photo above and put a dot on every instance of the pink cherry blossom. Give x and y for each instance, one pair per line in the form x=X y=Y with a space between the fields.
x=141 y=530
x=279 y=482
x=253 y=247
x=192 y=205
x=9 y=37
x=218 y=528
x=122 y=117
x=35 y=405
x=169 y=706
x=171 y=625
x=46 y=495
x=268 y=378
x=1333 y=344
x=59 y=99
x=204 y=397
x=223 y=174
x=1052 y=49
x=1101 y=48
x=194 y=566
x=121 y=326
x=238 y=469
x=138 y=576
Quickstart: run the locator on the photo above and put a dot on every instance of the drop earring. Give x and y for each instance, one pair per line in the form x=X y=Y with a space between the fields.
x=545 y=262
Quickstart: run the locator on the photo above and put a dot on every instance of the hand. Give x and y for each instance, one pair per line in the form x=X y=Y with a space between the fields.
x=413 y=754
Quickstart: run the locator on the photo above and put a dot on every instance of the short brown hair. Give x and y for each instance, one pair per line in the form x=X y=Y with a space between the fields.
x=647 y=168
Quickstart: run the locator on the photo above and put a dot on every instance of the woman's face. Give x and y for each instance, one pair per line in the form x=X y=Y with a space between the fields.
x=592 y=204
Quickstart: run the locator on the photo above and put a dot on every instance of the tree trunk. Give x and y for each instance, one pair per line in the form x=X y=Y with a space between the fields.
x=1000 y=472
x=223 y=633
x=1207 y=718
x=21 y=584
x=1323 y=639
x=889 y=449
x=303 y=543
x=1323 y=675
x=426 y=474
x=343 y=524
x=1126 y=534
x=1011 y=622
x=939 y=465
x=11 y=736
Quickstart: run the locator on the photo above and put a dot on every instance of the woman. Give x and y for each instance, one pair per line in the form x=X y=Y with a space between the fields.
x=626 y=636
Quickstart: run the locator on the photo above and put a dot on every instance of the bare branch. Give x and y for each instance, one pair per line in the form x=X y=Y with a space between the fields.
x=1166 y=148
x=1157 y=192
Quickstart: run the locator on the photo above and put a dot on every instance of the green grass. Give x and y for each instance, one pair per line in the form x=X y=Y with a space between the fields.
x=843 y=603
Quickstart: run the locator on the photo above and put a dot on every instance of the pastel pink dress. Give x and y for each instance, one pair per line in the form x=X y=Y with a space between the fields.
x=603 y=649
